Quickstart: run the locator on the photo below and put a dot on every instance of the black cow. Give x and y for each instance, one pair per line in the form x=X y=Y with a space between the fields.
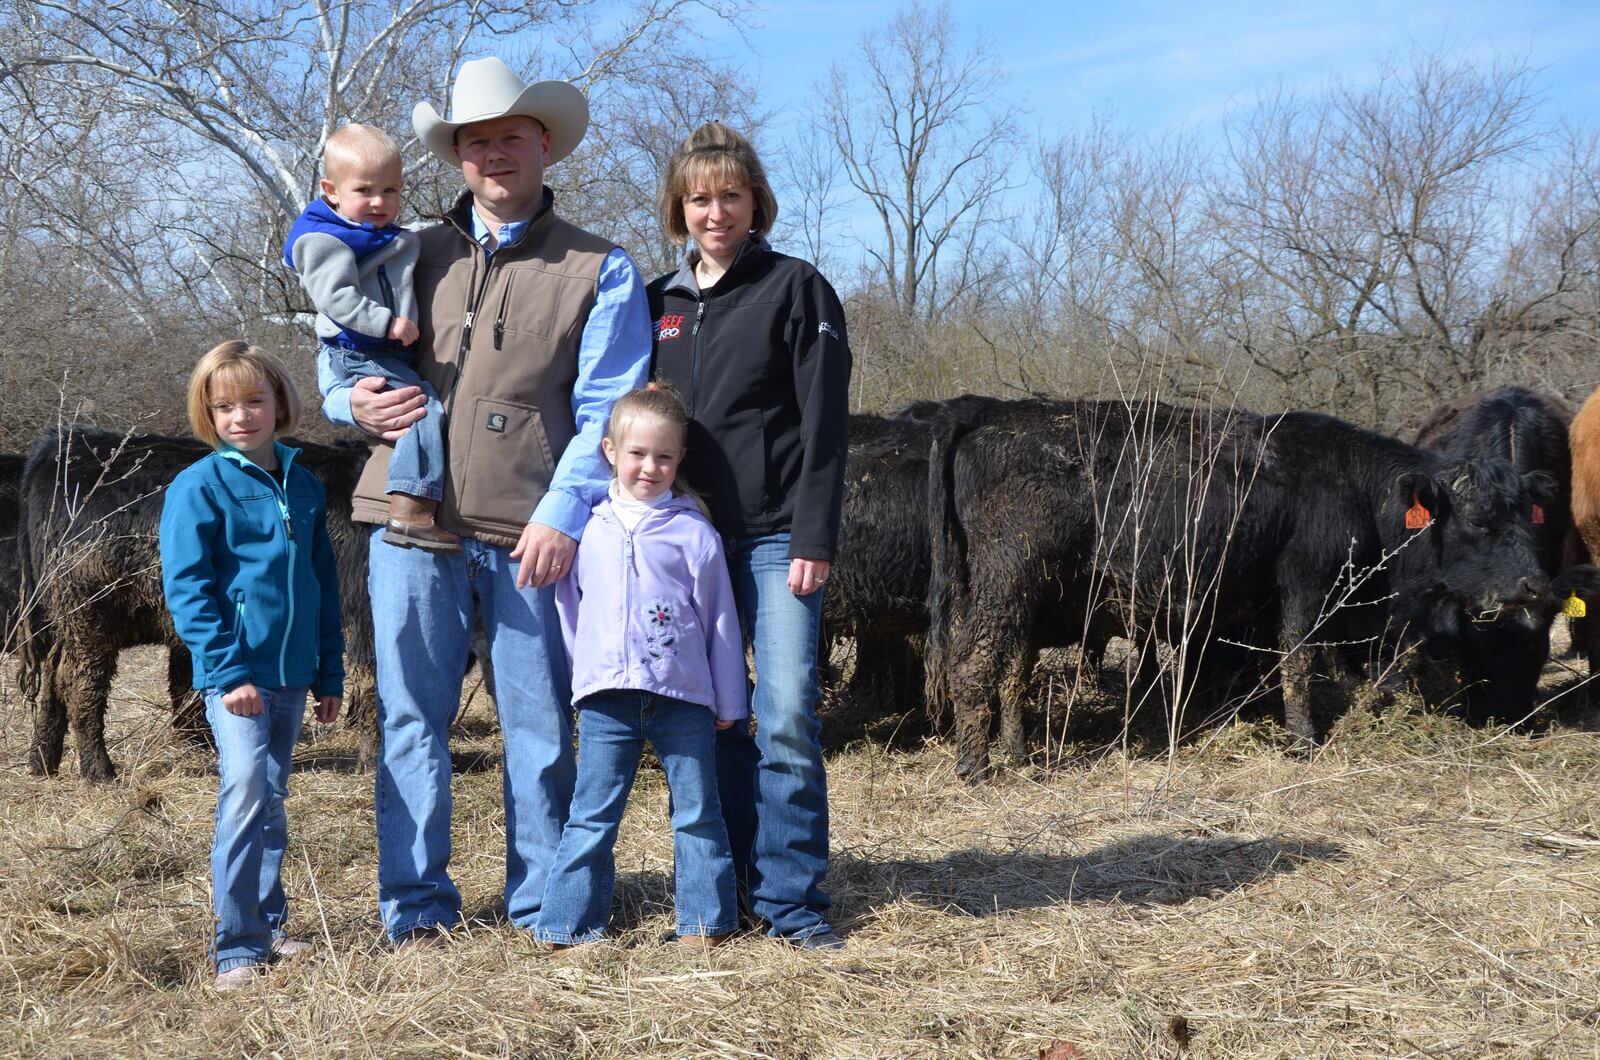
x=1502 y=661
x=10 y=572
x=1178 y=522
x=91 y=582
x=878 y=587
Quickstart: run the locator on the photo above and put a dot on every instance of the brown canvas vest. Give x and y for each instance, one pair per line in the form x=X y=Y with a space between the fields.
x=506 y=381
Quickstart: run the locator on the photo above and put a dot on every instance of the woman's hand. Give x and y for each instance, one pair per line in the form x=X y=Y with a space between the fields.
x=244 y=701
x=807 y=575
x=327 y=708
x=386 y=414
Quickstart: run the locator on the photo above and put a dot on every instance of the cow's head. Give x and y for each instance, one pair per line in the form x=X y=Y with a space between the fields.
x=1466 y=547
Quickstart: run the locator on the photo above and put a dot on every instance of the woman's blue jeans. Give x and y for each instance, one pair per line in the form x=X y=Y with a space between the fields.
x=253 y=757
x=612 y=729
x=773 y=788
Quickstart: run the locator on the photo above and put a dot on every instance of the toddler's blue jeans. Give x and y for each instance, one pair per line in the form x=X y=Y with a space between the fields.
x=417 y=466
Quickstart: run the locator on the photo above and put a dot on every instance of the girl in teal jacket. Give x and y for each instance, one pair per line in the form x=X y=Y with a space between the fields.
x=249 y=576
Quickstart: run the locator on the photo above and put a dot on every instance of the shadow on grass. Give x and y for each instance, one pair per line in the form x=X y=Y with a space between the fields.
x=330 y=760
x=1162 y=869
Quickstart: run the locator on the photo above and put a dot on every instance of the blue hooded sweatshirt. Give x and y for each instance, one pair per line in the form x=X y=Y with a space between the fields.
x=359 y=277
x=249 y=574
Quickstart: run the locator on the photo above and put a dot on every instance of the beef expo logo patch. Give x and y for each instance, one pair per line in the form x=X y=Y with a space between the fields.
x=670 y=326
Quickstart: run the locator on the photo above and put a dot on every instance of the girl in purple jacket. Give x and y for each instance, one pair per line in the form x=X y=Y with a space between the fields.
x=648 y=616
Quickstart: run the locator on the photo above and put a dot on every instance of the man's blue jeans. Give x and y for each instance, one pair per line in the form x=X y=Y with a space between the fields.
x=417 y=465
x=422 y=606
x=773 y=788
x=253 y=756
x=612 y=729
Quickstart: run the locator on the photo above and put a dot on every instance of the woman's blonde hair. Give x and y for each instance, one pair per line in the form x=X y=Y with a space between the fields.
x=715 y=155
x=237 y=368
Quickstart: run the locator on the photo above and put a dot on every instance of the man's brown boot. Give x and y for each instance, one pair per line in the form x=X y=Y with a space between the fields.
x=411 y=525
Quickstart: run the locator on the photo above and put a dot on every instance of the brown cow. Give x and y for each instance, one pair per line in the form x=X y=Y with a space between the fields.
x=1583 y=442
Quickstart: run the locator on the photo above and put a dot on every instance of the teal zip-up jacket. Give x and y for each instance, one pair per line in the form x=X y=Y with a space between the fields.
x=249 y=575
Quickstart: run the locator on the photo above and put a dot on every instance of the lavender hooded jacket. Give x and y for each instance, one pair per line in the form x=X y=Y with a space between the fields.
x=664 y=586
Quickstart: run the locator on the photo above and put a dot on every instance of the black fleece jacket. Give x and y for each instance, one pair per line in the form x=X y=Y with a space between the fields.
x=763 y=362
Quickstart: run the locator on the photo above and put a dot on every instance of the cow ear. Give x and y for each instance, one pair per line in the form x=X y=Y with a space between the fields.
x=1541 y=486
x=1582 y=581
x=1417 y=499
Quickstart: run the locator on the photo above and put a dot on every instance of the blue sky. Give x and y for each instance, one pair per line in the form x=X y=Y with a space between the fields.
x=1160 y=67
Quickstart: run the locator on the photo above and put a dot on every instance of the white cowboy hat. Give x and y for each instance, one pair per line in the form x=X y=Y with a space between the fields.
x=486 y=89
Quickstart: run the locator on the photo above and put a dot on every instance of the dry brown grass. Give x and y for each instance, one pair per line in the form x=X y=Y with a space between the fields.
x=1419 y=889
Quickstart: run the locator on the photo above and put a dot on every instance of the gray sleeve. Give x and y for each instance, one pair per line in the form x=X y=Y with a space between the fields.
x=402 y=274
x=329 y=274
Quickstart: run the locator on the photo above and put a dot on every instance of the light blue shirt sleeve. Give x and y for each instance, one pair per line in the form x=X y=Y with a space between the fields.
x=335 y=393
x=613 y=358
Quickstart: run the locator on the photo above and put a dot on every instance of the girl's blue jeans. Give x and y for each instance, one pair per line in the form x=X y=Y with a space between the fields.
x=773 y=787
x=253 y=757
x=612 y=729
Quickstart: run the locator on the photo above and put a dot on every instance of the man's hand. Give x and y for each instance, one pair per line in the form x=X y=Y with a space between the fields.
x=402 y=331
x=807 y=575
x=546 y=554
x=244 y=701
x=327 y=708
x=387 y=414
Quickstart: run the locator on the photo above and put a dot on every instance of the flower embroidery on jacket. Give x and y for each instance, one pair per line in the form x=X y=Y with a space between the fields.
x=661 y=618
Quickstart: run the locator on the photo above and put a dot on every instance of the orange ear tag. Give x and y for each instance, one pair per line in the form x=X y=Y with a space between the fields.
x=1417 y=516
x=1538 y=516
x=1575 y=607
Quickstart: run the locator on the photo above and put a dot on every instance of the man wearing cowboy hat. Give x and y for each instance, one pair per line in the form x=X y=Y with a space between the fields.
x=531 y=328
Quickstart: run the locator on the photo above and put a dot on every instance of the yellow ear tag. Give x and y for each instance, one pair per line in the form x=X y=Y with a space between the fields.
x=1575 y=607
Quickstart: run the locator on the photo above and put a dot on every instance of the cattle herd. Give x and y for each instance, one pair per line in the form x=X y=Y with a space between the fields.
x=1283 y=550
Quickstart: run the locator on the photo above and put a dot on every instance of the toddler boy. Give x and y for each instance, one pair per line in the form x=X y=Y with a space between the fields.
x=357 y=264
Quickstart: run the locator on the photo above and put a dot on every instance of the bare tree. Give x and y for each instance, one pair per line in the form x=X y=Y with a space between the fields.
x=245 y=96
x=809 y=204
x=1542 y=319
x=1055 y=316
x=1366 y=217
x=159 y=151
x=640 y=119
x=926 y=139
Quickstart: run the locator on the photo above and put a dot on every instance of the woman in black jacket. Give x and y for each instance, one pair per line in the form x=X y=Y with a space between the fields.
x=755 y=342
